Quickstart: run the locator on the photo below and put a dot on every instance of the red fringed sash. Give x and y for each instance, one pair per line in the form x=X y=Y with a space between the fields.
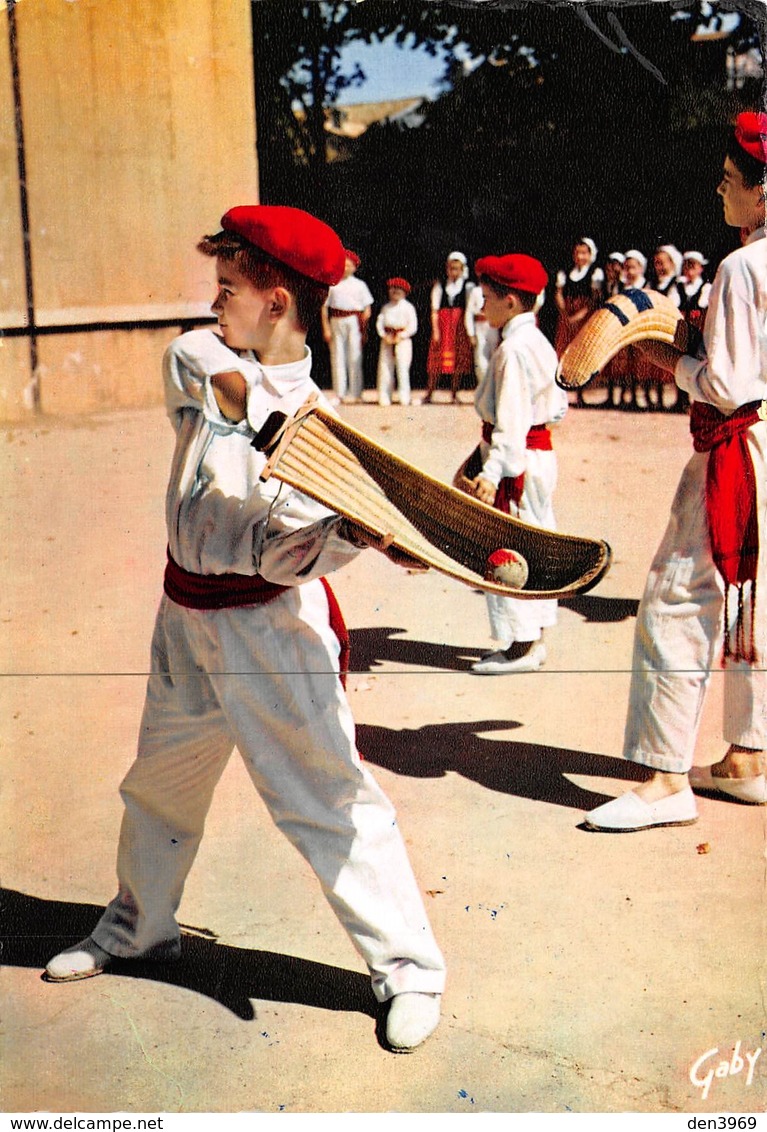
x=731 y=509
x=511 y=487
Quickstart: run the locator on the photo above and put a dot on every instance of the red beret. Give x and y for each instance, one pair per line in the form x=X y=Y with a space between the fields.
x=352 y=256
x=751 y=133
x=294 y=237
x=397 y=281
x=517 y=272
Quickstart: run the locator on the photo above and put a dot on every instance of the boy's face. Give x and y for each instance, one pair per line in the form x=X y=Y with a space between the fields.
x=743 y=206
x=633 y=269
x=349 y=268
x=454 y=269
x=395 y=294
x=498 y=308
x=241 y=309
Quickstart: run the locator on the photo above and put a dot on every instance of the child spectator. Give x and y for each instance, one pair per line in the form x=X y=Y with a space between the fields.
x=397 y=323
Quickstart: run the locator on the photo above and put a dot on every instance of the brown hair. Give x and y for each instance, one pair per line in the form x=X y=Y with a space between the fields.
x=264 y=272
x=751 y=170
x=526 y=298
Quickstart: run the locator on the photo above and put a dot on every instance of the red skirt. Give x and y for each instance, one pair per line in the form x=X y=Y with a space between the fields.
x=452 y=354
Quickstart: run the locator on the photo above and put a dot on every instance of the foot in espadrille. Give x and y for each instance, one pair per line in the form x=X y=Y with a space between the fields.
x=506 y=660
x=752 y=790
x=82 y=961
x=412 y=1017
x=629 y=812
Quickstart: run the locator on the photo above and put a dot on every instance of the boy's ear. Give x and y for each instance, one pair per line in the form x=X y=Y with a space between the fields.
x=280 y=303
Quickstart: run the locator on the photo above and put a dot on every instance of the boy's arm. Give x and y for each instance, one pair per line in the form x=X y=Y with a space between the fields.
x=231 y=392
x=189 y=365
x=513 y=415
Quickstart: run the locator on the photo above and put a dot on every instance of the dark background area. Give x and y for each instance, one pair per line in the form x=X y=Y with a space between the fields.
x=608 y=121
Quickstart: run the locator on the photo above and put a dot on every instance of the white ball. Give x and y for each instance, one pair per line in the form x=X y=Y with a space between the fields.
x=508 y=568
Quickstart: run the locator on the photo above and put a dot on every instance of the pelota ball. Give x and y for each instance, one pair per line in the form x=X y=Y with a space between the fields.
x=508 y=568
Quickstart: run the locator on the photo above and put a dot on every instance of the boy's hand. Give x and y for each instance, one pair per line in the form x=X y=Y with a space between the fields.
x=358 y=536
x=231 y=393
x=484 y=490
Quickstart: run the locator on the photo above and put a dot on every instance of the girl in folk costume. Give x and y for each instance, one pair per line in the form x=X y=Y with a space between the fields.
x=667 y=265
x=450 y=353
x=708 y=582
x=615 y=372
x=693 y=291
x=629 y=360
x=578 y=293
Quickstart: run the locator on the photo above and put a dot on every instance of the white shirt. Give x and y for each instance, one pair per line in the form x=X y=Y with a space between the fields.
x=733 y=368
x=220 y=517
x=691 y=289
x=351 y=294
x=400 y=315
x=517 y=392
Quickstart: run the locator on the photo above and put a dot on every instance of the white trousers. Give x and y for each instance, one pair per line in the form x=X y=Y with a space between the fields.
x=266 y=679
x=515 y=619
x=679 y=631
x=394 y=362
x=346 y=356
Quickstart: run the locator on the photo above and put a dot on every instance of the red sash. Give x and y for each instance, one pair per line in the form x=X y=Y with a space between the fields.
x=511 y=487
x=216 y=591
x=731 y=509
x=230 y=591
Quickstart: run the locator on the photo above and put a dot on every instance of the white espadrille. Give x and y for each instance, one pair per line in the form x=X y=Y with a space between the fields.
x=629 y=812
x=412 y=1017
x=752 y=790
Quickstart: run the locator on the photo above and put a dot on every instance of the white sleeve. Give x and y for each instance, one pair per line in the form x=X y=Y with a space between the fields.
x=296 y=546
x=730 y=373
x=513 y=419
x=188 y=365
x=411 y=326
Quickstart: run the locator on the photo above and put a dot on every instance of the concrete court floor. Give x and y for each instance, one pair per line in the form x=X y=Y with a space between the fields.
x=587 y=972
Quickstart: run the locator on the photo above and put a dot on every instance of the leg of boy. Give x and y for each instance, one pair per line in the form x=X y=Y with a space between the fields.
x=403 y=355
x=294 y=728
x=385 y=377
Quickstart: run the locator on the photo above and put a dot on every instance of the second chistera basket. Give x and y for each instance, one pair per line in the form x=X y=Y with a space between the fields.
x=632 y=316
x=441 y=527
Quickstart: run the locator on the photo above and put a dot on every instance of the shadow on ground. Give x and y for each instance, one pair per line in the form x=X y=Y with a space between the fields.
x=527 y=770
x=371 y=647
x=34 y=929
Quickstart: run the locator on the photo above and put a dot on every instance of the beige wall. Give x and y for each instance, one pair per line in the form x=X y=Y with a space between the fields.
x=140 y=131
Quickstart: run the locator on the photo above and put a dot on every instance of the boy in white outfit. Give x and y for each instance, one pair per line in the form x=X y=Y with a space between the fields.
x=396 y=324
x=517 y=402
x=705 y=601
x=345 y=317
x=248 y=647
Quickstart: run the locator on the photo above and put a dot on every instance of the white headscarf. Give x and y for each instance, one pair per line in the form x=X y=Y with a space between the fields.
x=697 y=256
x=590 y=245
x=674 y=255
x=461 y=259
x=632 y=253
